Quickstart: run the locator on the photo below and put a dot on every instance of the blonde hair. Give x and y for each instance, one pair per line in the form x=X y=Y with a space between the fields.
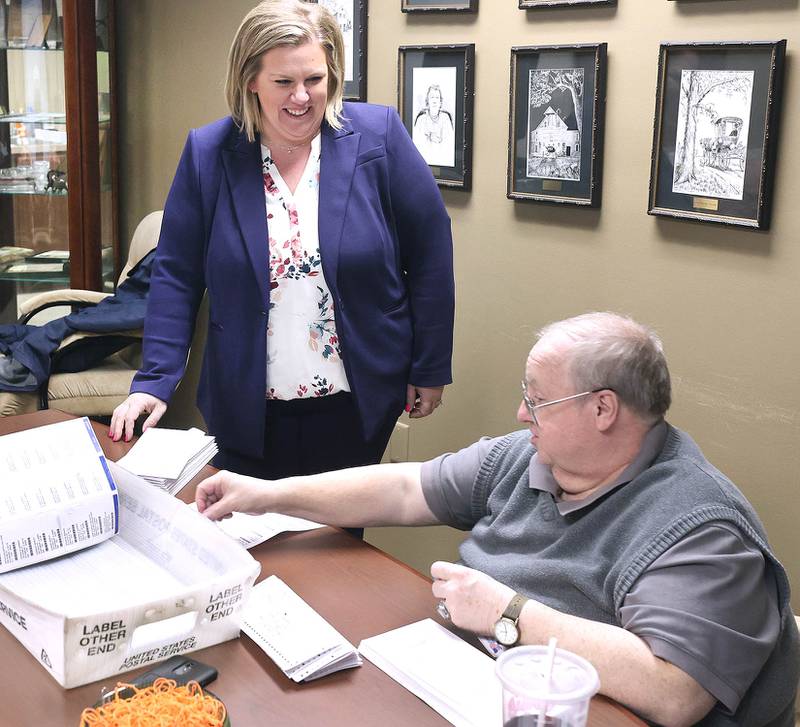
x=271 y=24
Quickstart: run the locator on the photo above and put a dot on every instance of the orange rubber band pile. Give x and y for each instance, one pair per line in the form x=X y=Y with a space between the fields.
x=161 y=705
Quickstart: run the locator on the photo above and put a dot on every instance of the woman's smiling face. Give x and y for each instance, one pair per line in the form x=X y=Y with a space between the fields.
x=292 y=87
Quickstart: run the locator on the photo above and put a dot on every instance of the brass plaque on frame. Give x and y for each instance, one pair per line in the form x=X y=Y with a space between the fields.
x=705 y=203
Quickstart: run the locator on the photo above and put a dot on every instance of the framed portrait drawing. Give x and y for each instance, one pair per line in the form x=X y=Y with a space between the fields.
x=716 y=131
x=352 y=18
x=435 y=94
x=439 y=6
x=555 y=136
x=527 y=4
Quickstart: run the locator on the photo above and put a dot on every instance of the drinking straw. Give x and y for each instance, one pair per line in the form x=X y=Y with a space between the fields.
x=551 y=657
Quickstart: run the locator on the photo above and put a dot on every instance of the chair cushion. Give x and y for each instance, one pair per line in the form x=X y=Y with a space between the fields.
x=18 y=402
x=94 y=392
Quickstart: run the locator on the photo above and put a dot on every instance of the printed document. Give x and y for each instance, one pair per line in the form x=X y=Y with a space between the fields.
x=56 y=493
x=448 y=674
x=291 y=633
x=252 y=530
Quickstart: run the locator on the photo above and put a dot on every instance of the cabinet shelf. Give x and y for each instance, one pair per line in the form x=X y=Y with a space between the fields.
x=38 y=48
x=45 y=118
x=58 y=277
x=35 y=118
x=32 y=193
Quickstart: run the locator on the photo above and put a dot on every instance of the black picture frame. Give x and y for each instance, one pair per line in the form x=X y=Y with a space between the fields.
x=439 y=6
x=352 y=16
x=715 y=131
x=530 y=4
x=556 y=123
x=447 y=147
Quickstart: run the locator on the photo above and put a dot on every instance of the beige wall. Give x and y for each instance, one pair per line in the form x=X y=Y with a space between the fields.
x=725 y=301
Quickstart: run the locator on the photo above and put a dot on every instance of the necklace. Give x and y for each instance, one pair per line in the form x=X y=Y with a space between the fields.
x=288 y=148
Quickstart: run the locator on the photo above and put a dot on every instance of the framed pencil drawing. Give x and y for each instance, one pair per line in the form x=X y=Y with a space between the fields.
x=528 y=4
x=555 y=136
x=435 y=95
x=715 y=131
x=352 y=18
x=439 y=6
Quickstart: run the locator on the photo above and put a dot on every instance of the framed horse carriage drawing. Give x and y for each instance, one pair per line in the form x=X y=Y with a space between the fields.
x=715 y=131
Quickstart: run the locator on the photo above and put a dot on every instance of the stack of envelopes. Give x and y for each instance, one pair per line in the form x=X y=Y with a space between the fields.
x=169 y=458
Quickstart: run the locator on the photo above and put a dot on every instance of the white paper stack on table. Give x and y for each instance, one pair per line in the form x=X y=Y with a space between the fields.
x=56 y=493
x=448 y=674
x=169 y=458
x=291 y=633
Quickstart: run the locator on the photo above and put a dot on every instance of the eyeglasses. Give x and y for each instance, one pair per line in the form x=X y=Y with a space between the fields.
x=533 y=407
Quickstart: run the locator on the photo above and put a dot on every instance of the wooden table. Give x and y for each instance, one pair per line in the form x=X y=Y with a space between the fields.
x=356 y=587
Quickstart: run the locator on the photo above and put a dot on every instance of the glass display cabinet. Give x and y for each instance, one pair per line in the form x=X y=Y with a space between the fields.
x=58 y=192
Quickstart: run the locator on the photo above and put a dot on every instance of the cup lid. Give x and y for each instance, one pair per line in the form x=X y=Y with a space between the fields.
x=523 y=670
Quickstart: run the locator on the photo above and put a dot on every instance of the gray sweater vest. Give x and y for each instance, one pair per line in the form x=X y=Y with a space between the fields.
x=584 y=563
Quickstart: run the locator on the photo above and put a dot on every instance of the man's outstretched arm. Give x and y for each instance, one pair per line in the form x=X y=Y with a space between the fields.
x=389 y=494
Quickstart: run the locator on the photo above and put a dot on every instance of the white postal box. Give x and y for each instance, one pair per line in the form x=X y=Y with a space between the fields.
x=168 y=583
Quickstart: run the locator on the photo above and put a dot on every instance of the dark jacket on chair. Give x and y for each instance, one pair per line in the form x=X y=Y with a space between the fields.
x=28 y=350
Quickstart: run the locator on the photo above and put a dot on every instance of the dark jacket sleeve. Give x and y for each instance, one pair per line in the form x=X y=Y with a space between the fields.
x=177 y=284
x=426 y=249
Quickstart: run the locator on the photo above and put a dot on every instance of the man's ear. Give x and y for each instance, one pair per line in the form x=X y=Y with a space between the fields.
x=606 y=409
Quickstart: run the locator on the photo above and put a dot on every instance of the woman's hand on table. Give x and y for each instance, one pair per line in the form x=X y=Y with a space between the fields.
x=126 y=414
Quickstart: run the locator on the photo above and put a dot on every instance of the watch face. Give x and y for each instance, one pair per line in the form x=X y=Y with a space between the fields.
x=506 y=632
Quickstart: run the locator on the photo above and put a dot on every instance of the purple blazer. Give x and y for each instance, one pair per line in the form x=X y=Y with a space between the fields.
x=386 y=251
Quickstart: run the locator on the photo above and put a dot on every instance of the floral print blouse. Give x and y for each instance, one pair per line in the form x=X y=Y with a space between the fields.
x=304 y=357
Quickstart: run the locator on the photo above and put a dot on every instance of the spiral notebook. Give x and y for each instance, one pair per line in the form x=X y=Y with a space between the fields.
x=291 y=633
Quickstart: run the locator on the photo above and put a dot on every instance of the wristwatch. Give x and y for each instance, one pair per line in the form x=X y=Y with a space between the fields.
x=506 y=631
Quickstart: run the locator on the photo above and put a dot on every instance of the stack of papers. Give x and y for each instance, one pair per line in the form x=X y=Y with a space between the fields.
x=58 y=494
x=169 y=458
x=291 y=633
x=448 y=674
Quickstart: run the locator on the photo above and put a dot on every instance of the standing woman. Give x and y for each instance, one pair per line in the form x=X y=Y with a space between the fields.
x=320 y=235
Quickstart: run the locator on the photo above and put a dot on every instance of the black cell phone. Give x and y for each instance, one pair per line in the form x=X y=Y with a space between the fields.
x=180 y=668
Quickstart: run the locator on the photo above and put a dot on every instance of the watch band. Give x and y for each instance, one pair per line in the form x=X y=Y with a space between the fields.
x=514 y=608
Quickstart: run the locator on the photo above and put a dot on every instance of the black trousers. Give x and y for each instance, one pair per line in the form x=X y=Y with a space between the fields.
x=308 y=436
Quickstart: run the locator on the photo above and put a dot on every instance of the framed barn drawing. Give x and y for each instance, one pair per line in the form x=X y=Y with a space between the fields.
x=557 y=104
x=715 y=131
x=352 y=18
x=439 y=6
x=526 y=4
x=435 y=95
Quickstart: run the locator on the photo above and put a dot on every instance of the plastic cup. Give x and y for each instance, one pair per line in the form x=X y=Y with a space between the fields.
x=530 y=699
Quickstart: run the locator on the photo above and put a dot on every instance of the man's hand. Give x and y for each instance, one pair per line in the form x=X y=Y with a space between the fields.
x=126 y=414
x=224 y=493
x=475 y=601
x=422 y=400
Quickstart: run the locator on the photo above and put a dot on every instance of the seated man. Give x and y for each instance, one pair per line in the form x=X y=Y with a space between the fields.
x=620 y=538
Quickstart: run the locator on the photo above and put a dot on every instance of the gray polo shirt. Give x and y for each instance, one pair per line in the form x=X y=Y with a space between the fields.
x=708 y=604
